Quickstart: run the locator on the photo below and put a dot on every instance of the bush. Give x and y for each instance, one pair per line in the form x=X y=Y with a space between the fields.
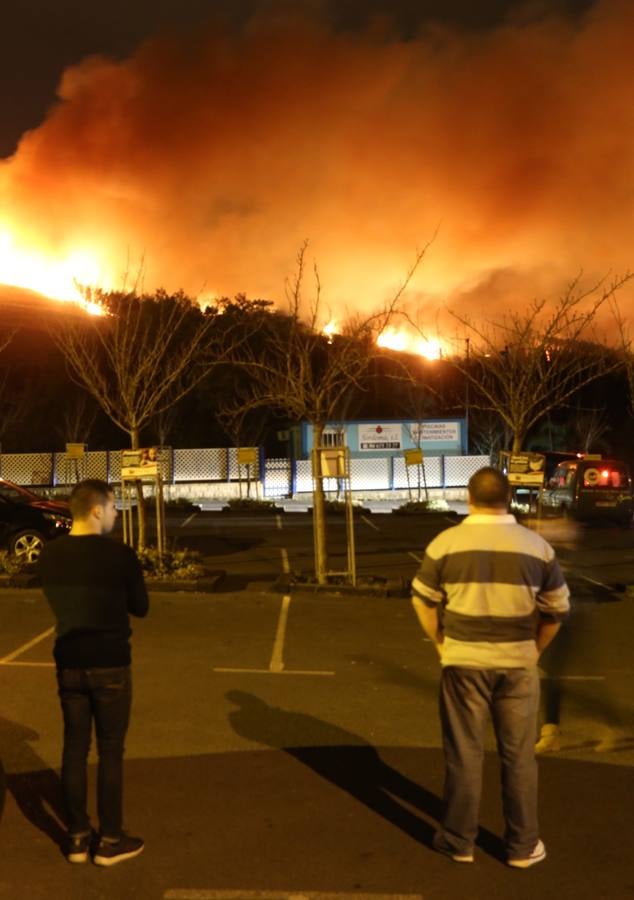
x=422 y=506
x=246 y=504
x=338 y=507
x=175 y=564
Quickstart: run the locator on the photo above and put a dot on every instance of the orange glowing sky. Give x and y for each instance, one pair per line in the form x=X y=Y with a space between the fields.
x=212 y=157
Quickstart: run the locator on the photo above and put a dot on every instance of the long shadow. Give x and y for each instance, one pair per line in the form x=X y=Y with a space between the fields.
x=35 y=787
x=349 y=762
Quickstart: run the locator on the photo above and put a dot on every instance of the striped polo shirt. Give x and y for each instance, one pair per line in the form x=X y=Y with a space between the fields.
x=494 y=580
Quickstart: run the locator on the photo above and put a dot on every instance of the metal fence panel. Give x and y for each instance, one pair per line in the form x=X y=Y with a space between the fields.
x=70 y=471
x=304 y=477
x=459 y=469
x=220 y=464
x=370 y=474
x=277 y=478
x=201 y=465
x=27 y=468
x=237 y=472
x=432 y=468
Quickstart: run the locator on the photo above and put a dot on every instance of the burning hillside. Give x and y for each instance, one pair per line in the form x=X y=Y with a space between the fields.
x=206 y=159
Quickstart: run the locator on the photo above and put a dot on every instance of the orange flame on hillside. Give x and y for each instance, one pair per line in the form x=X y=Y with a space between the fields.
x=404 y=342
x=58 y=278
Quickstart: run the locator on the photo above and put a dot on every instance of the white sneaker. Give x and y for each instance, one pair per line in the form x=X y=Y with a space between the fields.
x=537 y=855
x=549 y=740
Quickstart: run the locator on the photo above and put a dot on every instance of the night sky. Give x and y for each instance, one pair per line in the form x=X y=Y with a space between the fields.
x=209 y=139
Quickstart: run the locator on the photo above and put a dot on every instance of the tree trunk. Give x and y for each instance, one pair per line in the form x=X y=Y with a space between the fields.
x=141 y=516
x=319 y=510
x=518 y=440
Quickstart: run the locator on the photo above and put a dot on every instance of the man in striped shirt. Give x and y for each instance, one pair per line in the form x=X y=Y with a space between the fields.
x=491 y=597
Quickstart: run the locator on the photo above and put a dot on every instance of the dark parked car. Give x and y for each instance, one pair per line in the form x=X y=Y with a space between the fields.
x=590 y=489
x=27 y=521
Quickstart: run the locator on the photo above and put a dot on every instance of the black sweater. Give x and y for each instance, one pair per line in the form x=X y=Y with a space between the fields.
x=92 y=584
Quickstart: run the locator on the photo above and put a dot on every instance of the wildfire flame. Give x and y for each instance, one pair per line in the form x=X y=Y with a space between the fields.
x=404 y=342
x=58 y=279
x=330 y=329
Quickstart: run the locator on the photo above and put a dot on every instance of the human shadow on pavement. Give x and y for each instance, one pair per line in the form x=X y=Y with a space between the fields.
x=347 y=761
x=35 y=787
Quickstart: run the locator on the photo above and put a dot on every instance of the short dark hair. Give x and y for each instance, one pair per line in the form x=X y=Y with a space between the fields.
x=86 y=494
x=489 y=487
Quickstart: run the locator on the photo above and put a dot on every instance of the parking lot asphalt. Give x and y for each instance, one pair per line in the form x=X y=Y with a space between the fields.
x=291 y=745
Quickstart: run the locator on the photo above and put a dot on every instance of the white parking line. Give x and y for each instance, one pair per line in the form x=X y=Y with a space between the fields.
x=285 y=564
x=236 y=671
x=277 y=659
x=278 y=521
x=371 y=524
x=598 y=583
x=413 y=555
x=27 y=646
x=198 y=894
x=31 y=665
x=189 y=518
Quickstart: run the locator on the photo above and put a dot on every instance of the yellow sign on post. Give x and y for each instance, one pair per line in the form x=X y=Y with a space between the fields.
x=413 y=457
x=247 y=456
x=75 y=451
x=333 y=462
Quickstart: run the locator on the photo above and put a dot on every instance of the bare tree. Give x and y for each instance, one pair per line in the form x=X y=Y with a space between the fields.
x=309 y=375
x=242 y=422
x=625 y=350
x=488 y=433
x=589 y=428
x=77 y=419
x=142 y=356
x=529 y=363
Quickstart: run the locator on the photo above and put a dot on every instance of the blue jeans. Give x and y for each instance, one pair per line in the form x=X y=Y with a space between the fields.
x=103 y=695
x=468 y=697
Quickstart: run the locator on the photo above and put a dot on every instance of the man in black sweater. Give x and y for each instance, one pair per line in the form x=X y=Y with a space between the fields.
x=92 y=584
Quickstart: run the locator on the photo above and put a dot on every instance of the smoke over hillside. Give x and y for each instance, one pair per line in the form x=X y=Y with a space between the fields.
x=212 y=155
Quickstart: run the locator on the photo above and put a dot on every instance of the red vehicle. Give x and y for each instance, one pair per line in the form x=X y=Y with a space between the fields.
x=27 y=520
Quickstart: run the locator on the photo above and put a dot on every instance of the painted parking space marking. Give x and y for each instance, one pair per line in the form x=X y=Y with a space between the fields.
x=235 y=671
x=371 y=524
x=29 y=665
x=198 y=894
x=598 y=583
x=276 y=666
x=413 y=555
x=277 y=658
x=278 y=522
x=189 y=519
x=6 y=660
x=285 y=563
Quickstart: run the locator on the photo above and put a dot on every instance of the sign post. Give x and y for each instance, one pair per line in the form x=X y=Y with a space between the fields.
x=142 y=466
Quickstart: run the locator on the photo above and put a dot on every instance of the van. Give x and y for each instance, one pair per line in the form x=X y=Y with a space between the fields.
x=591 y=489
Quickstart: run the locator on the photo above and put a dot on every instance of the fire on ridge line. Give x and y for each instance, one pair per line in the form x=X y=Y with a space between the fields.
x=400 y=340
x=59 y=280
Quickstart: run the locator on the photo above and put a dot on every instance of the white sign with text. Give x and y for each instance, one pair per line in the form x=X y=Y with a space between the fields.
x=447 y=432
x=380 y=437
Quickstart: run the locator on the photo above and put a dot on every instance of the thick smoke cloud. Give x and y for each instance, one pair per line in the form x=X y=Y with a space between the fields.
x=213 y=155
